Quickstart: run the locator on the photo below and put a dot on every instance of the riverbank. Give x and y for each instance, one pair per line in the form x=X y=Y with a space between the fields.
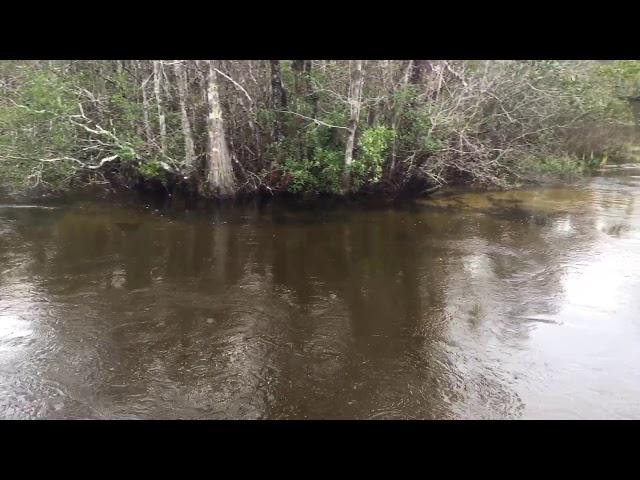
x=389 y=129
x=162 y=195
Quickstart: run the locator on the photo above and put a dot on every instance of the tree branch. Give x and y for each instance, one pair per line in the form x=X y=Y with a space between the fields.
x=313 y=120
x=235 y=83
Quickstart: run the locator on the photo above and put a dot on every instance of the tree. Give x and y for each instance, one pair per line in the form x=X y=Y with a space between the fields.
x=355 y=103
x=220 y=178
x=408 y=71
x=183 y=96
x=157 y=78
x=146 y=123
x=419 y=69
x=278 y=96
x=145 y=103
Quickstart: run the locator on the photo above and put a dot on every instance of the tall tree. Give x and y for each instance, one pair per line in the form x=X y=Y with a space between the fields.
x=145 y=103
x=420 y=68
x=355 y=102
x=183 y=96
x=278 y=93
x=406 y=76
x=303 y=84
x=278 y=96
x=157 y=79
x=220 y=178
x=300 y=68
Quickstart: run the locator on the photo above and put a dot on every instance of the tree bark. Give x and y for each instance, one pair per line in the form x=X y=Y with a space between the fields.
x=278 y=94
x=298 y=68
x=278 y=97
x=420 y=68
x=314 y=97
x=355 y=102
x=157 y=77
x=303 y=84
x=145 y=106
x=183 y=96
x=220 y=178
x=407 y=75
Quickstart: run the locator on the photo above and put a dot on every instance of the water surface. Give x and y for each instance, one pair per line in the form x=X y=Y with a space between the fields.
x=495 y=305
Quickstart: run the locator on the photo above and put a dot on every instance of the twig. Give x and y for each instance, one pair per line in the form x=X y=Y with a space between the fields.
x=235 y=83
x=313 y=119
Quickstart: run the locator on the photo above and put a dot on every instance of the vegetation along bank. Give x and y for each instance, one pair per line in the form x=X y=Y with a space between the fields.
x=307 y=127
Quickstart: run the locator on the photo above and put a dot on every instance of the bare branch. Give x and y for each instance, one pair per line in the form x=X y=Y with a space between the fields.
x=313 y=120
x=240 y=87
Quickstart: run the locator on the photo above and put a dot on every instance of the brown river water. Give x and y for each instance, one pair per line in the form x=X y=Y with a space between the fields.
x=521 y=304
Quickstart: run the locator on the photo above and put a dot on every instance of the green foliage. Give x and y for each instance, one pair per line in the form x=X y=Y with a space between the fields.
x=266 y=118
x=416 y=132
x=431 y=144
x=623 y=76
x=311 y=162
x=476 y=120
x=311 y=155
x=124 y=110
x=372 y=148
x=525 y=106
x=126 y=154
x=554 y=165
x=152 y=170
x=565 y=165
x=38 y=133
x=32 y=129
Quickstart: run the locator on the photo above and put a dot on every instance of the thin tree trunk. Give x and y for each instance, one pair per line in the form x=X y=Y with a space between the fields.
x=635 y=108
x=220 y=179
x=249 y=108
x=395 y=119
x=157 y=76
x=303 y=84
x=202 y=68
x=278 y=94
x=413 y=73
x=166 y=84
x=278 y=97
x=355 y=102
x=420 y=67
x=314 y=97
x=183 y=95
x=199 y=107
x=298 y=68
x=145 y=106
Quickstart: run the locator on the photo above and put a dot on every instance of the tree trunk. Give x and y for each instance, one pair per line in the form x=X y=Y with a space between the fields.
x=355 y=102
x=420 y=67
x=278 y=97
x=635 y=108
x=278 y=94
x=220 y=179
x=303 y=84
x=395 y=119
x=183 y=95
x=314 y=97
x=298 y=68
x=145 y=106
x=157 y=76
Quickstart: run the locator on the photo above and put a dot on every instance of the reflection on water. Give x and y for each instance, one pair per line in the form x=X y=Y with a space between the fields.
x=470 y=305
